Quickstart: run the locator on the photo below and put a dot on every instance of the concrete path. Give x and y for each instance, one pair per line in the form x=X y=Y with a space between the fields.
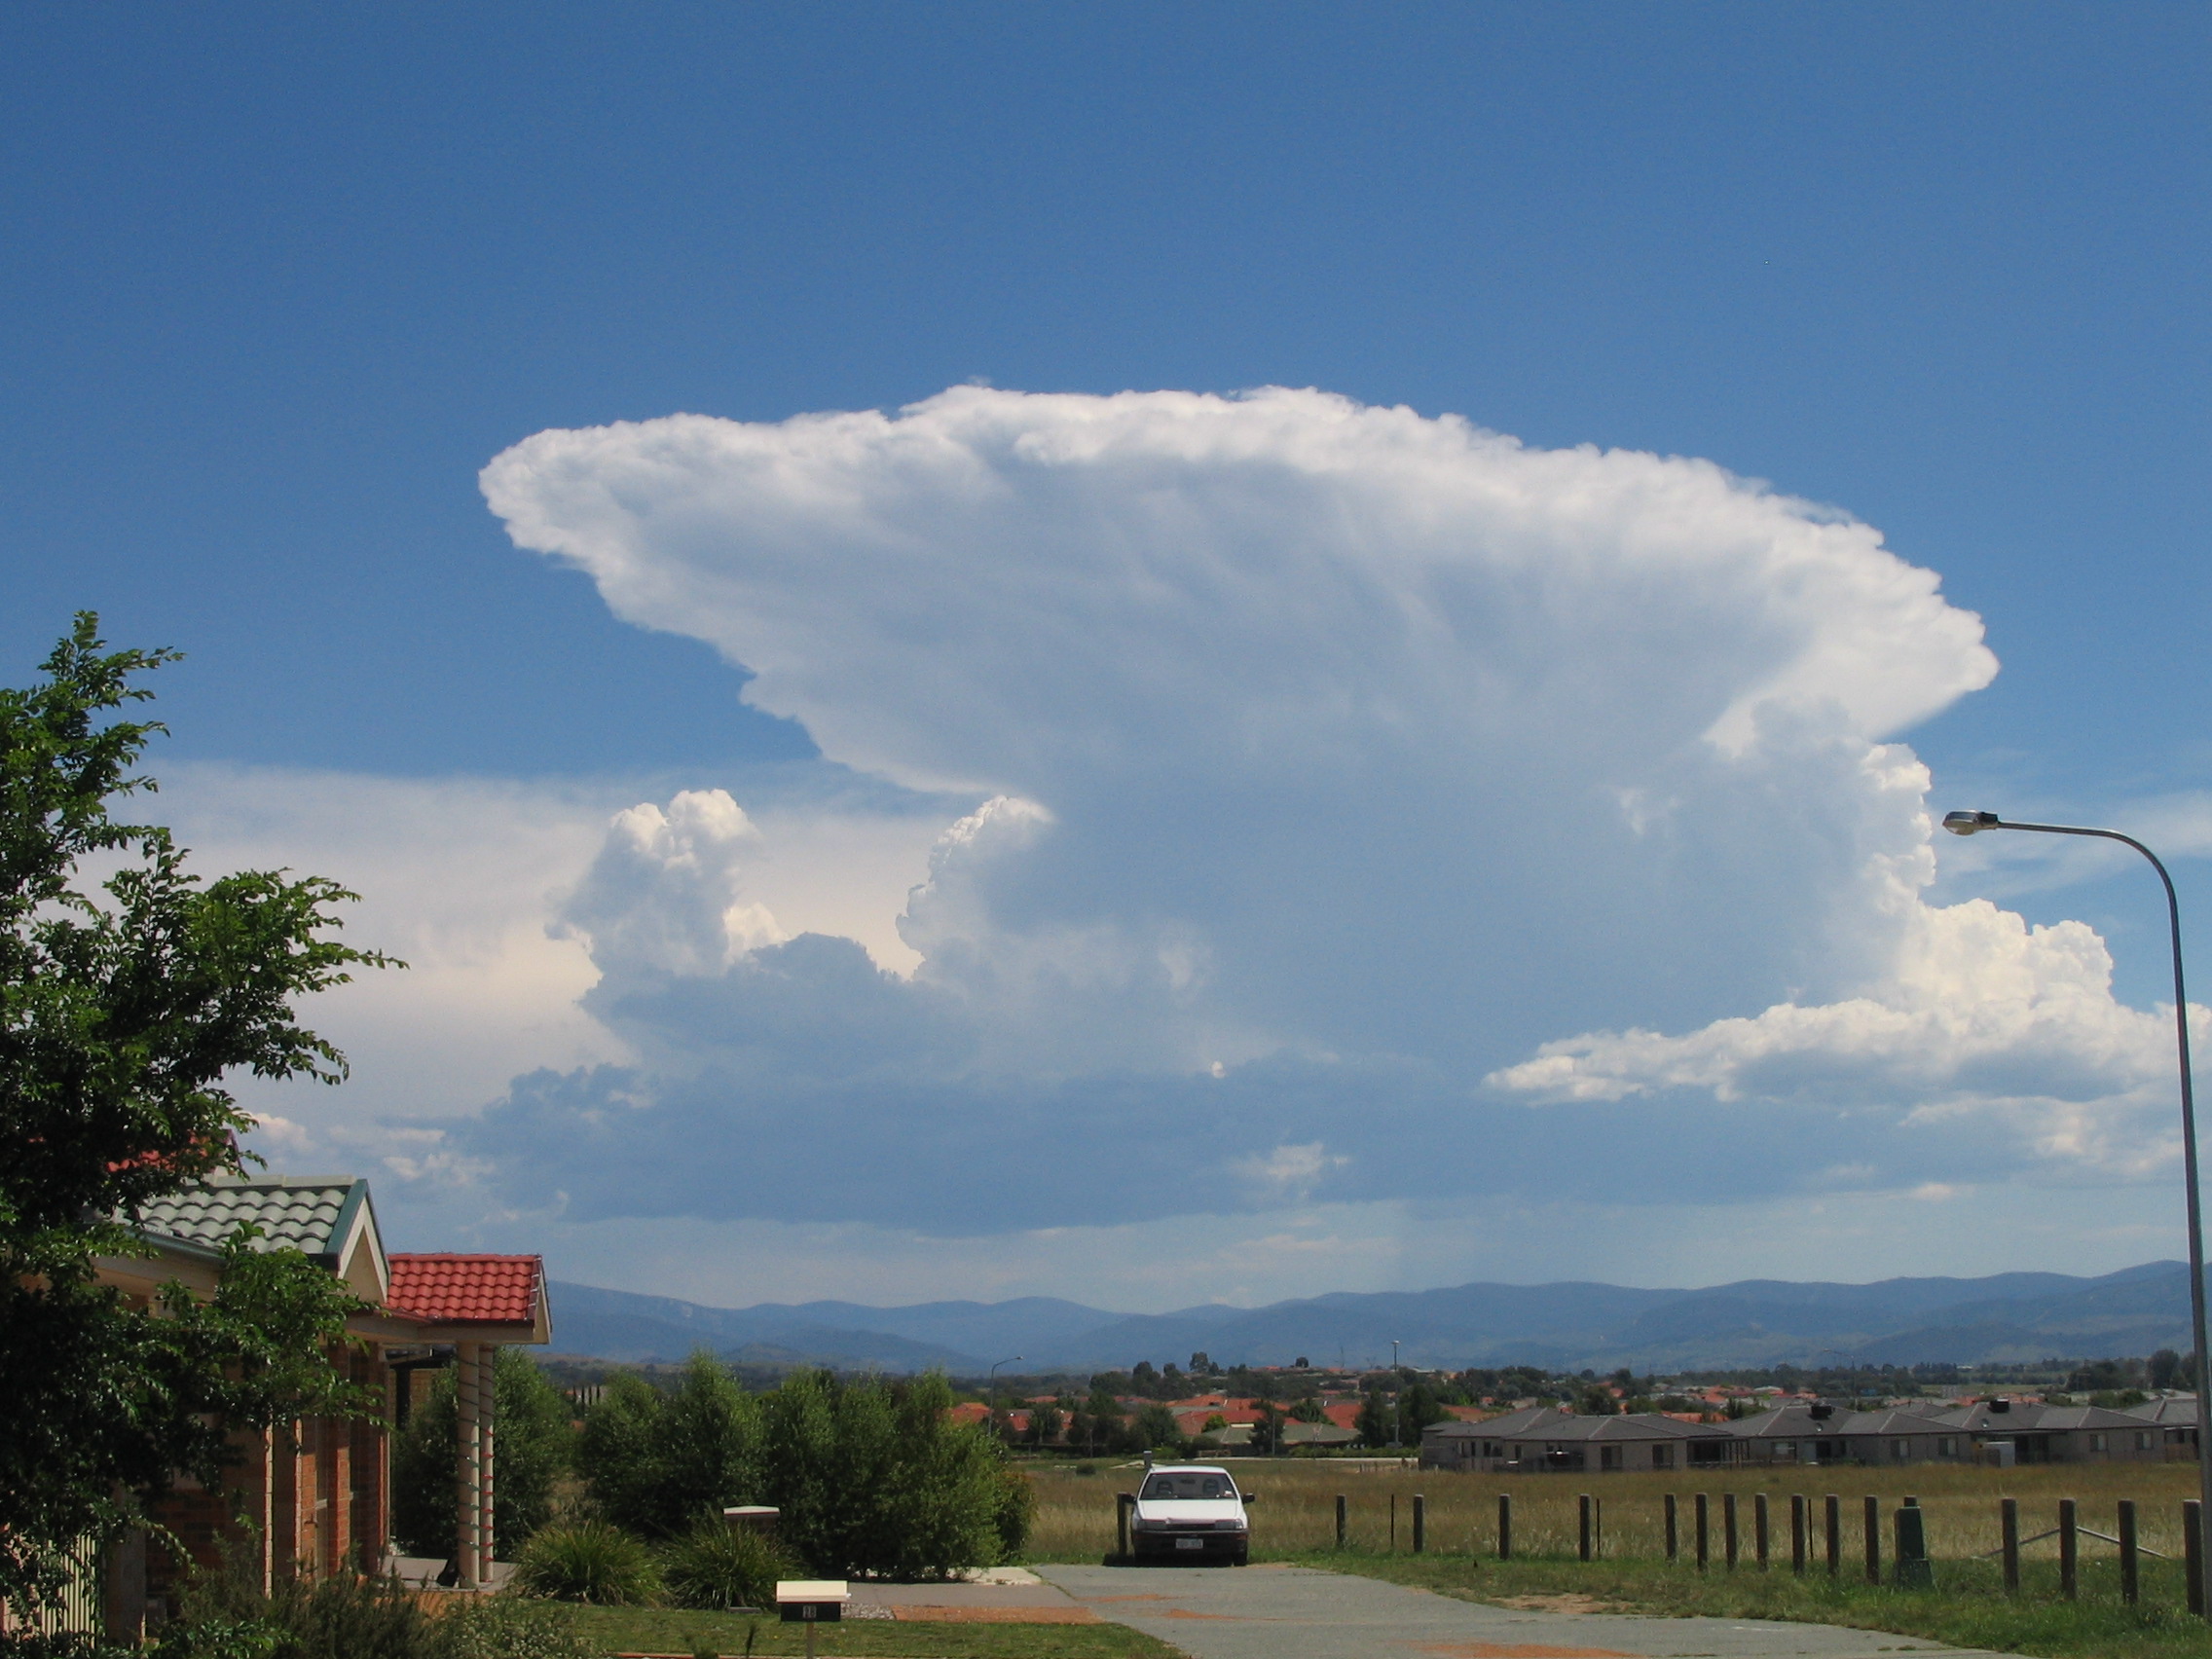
x=1295 y=1612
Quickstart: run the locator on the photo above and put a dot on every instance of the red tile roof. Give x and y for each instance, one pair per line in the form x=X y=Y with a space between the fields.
x=467 y=1290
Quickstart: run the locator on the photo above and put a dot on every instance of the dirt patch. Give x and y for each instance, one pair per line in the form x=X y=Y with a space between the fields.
x=1185 y=1613
x=921 y=1613
x=1566 y=1603
x=1517 y=1650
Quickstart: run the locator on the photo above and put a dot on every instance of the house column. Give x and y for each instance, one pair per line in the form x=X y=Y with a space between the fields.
x=487 y=1440
x=468 y=1471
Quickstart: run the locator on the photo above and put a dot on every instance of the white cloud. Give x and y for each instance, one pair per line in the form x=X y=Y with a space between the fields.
x=1345 y=721
x=666 y=890
x=1981 y=1015
x=1320 y=764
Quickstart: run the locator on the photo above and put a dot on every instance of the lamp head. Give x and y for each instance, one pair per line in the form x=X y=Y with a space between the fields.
x=1971 y=822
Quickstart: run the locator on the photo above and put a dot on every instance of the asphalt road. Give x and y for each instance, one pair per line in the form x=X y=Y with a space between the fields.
x=1295 y=1612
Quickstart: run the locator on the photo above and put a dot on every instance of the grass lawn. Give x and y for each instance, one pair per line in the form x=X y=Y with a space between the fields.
x=1968 y=1609
x=668 y=1630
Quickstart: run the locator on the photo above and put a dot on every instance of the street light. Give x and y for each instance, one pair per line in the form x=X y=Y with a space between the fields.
x=1011 y=1359
x=1973 y=823
x=1397 y=1399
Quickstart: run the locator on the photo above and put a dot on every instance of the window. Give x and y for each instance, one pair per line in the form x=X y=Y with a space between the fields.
x=2096 y=1442
x=1662 y=1456
x=1188 y=1487
x=1608 y=1456
x=2142 y=1441
x=1948 y=1447
x=1900 y=1450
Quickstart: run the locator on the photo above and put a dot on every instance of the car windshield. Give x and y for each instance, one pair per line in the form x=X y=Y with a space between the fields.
x=1189 y=1483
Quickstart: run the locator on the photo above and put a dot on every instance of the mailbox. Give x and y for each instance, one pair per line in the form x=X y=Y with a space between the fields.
x=811 y=1601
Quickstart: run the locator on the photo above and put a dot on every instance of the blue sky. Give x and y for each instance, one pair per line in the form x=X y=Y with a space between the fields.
x=281 y=284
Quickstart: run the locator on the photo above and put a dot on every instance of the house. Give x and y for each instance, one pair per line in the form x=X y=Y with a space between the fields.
x=2034 y=1433
x=2174 y=1418
x=1544 y=1438
x=2056 y=1434
x=312 y=1498
x=1807 y=1435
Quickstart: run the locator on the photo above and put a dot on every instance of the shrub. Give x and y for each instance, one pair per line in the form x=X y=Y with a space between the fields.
x=1017 y=1512
x=660 y=1464
x=348 y=1618
x=718 y=1566
x=874 y=1480
x=588 y=1561
x=510 y=1627
x=535 y=1444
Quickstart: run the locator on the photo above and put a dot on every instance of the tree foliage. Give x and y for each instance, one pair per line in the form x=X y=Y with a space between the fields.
x=659 y=1464
x=535 y=1445
x=123 y=1008
x=872 y=1476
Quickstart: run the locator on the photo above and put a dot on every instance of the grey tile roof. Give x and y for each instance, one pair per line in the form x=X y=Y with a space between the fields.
x=2023 y=1419
x=1544 y=1423
x=309 y=1213
x=2178 y=1409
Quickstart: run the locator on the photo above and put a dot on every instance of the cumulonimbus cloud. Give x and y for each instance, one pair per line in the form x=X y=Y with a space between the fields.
x=1360 y=750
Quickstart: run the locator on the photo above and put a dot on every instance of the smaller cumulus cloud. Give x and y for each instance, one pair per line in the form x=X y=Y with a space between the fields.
x=666 y=891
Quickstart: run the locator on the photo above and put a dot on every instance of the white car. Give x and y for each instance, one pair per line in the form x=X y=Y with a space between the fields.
x=1190 y=1512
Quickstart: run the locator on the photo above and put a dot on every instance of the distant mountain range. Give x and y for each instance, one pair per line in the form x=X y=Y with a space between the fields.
x=2005 y=1318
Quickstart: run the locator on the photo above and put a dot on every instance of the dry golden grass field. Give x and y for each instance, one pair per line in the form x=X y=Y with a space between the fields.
x=1296 y=1511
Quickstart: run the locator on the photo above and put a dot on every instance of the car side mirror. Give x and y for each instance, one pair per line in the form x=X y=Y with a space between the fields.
x=1251 y=1497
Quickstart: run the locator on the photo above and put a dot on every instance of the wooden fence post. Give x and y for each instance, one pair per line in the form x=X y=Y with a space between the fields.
x=1797 y=1533
x=2069 y=1549
x=1674 y=1538
x=2193 y=1552
x=1582 y=1505
x=1699 y=1530
x=1832 y=1510
x=1873 y=1539
x=2129 y=1584
x=1341 y=1508
x=1728 y=1529
x=1420 y=1523
x=1758 y=1529
x=1393 y=1522
x=1504 y=1526
x=2008 y=1532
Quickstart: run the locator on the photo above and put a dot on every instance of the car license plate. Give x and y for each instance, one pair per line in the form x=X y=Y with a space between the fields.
x=1190 y=1543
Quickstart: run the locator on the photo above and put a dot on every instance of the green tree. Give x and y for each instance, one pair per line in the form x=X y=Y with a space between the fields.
x=873 y=1478
x=537 y=1443
x=1153 y=1426
x=658 y=1463
x=1378 y=1420
x=1419 y=1407
x=122 y=1009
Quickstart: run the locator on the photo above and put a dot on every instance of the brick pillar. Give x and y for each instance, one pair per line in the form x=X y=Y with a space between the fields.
x=338 y=1500
x=468 y=1471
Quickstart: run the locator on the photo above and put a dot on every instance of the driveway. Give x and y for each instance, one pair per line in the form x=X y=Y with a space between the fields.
x=1295 y=1612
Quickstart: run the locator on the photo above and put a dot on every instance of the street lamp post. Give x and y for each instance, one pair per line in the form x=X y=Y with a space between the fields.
x=1973 y=823
x=1011 y=1359
x=1397 y=1400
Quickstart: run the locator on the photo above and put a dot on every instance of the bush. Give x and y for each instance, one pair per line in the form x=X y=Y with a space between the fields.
x=660 y=1464
x=588 y=1561
x=718 y=1566
x=875 y=1481
x=1017 y=1512
x=535 y=1444
x=510 y=1627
